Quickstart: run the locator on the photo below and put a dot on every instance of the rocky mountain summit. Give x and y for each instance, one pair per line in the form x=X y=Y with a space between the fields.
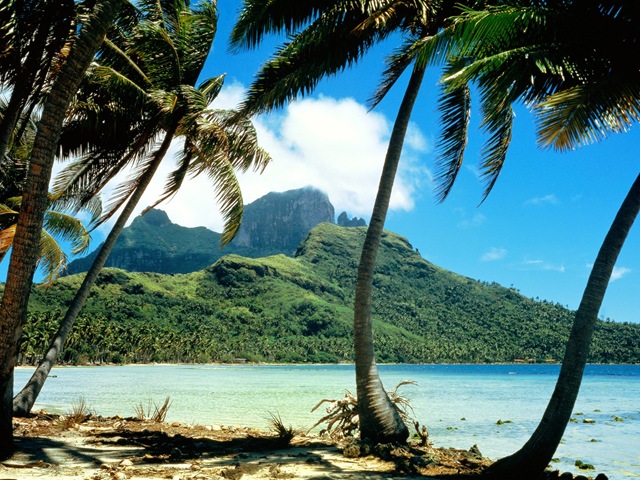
x=278 y=222
x=273 y=224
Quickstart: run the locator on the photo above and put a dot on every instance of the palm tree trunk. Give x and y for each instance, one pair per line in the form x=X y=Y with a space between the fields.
x=380 y=421
x=22 y=266
x=538 y=451
x=25 y=399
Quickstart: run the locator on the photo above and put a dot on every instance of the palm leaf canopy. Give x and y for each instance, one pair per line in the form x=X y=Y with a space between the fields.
x=326 y=37
x=580 y=85
x=32 y=33
x=143 y=87
x=59 y=225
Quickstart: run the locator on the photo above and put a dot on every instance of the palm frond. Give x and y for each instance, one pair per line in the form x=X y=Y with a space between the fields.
x=212 y=87
x=52 y=257
x=93 y=206
x=164 y=67
x=193 y=40
x=6 y=238
x=123 y=191
x=115 y=81
x=193 y=100
x=176 y=177
x=499 y=123
x=11 y=206
x=262 y=17
x=112 y=54
x=227 y=193
x=244 y=152
x=396 y=63
x=67 y=228
x=325 y=48
x=455 y=111
x=588 y=113
x=476 y=33
x=84 y=178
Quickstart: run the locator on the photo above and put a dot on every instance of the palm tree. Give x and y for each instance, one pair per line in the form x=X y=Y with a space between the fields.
x=58 y=220
x=25 y=249
x=34 y=32
x=53 y=259
x=581 y=89
x=143 y=91
x=327 y=37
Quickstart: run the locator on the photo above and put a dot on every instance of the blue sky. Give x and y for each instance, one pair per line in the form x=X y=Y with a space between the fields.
x=538 y=231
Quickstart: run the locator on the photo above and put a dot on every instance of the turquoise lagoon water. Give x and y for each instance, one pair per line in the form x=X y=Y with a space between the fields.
x=460 y=404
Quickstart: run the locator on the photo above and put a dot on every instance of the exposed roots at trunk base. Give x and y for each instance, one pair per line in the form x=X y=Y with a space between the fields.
x=342 y=421
x=422 y=460
x=415 y=459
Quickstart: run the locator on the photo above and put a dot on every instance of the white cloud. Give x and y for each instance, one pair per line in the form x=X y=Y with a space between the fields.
x=550 y=199
x=619 y=272
x=335 y=145
x=493 y=254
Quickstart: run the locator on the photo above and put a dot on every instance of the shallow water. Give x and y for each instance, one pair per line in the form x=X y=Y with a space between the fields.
x=460 y=404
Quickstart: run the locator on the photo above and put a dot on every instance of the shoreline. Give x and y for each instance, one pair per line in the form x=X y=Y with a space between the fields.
x=267 y=364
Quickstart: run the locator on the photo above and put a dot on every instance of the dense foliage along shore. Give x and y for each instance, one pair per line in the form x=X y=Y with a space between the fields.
x=284 y=309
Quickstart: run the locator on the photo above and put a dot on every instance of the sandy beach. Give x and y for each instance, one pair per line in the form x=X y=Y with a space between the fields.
x=51 y=446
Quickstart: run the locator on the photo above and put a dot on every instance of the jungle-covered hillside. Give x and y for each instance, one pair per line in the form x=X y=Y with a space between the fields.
x=299 y=309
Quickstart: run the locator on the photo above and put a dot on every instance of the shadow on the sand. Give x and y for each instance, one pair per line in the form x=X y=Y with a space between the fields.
x=250 y=454
x=231 y=458
x=33 y=450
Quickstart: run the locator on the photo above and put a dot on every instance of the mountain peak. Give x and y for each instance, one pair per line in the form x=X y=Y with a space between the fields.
x=279 y=221
x=155 y=217
x=275 y=223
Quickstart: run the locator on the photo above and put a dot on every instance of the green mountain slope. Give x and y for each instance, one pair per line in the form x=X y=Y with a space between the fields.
x=275 y=223
x=283 y=309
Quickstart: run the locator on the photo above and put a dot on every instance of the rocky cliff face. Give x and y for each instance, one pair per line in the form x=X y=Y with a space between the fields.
x=278 y=222
x=345 y=221
x=275 y=223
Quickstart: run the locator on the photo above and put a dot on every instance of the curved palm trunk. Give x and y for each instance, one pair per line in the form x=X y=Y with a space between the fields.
x=380 y=421
x=22 y=266
x=538 y=451
x=25 y=399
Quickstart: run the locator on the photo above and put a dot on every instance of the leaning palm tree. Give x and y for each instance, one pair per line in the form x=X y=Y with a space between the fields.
x=139 y=98
x=25 y=250
x=580 y=89
x=327 y=37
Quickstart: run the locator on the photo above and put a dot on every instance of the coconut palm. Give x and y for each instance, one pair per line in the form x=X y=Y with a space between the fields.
x=25 y=248
x=136 y=101
x=580 y=89
x=33 y=33
x=327 y=37
x=57 y=224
